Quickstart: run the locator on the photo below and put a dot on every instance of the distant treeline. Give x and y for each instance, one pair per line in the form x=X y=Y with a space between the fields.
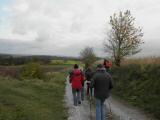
x=20 y=60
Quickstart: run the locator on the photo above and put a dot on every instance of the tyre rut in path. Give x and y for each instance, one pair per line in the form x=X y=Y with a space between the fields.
x=122 y=111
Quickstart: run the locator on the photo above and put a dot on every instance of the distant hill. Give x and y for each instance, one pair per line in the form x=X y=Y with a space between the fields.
x=17 y=59
x=40 y=56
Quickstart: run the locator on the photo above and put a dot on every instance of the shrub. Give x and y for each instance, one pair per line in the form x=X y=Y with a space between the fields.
x=32 y=70
x=139 y=84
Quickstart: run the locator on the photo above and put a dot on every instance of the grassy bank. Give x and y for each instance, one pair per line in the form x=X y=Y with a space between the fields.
x=33 y=99
x=139 y=84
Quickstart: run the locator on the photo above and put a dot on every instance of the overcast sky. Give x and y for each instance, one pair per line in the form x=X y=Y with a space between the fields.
x=64 y=27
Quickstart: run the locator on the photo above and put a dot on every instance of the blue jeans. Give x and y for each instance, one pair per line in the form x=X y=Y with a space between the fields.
x=76 y=96
x=100 y=110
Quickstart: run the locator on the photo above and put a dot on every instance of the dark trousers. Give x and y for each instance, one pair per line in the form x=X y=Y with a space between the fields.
x=76 y=96
x=89 y=89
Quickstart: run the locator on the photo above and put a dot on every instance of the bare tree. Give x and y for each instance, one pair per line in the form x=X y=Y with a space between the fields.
x=88 y=56
x=124 y=39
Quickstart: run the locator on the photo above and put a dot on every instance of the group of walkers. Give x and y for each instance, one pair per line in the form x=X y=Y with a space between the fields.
x=100 y=81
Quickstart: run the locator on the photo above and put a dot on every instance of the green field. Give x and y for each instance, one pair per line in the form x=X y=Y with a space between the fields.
x=33 y=99
x=34 y=91
x=65 y=62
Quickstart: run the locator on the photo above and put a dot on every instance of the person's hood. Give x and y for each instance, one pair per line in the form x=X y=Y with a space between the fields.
x=101 y=69
x=77 y=72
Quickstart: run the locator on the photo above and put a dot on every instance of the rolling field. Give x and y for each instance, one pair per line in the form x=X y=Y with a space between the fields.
x=33 y=99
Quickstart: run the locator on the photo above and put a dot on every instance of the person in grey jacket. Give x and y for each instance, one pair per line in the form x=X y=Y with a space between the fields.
x=102 y=83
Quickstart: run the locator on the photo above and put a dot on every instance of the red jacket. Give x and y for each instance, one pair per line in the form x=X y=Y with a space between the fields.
x=77 y=79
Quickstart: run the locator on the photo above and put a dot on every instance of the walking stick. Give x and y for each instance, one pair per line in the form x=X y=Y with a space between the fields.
x=110 y=111
x=90 y=100
x=90 y=103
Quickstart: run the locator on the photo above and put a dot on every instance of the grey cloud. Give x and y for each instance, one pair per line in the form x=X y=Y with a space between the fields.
x=10 y=46
x=56 y=26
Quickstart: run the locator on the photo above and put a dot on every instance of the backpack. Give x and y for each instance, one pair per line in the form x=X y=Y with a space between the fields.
x=88 y=74
x=77 y=79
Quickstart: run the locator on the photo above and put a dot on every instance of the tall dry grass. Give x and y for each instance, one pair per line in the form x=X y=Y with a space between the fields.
x=137 y=81
x=145 y=60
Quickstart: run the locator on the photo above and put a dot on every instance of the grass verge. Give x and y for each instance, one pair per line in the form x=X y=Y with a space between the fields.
x=139 y=85
x=33 y=99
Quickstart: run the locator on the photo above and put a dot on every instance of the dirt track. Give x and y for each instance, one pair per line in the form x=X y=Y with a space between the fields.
x=122 y=111
x=119 y=109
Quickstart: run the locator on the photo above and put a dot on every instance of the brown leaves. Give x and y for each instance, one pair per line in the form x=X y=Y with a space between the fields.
x=124 y=38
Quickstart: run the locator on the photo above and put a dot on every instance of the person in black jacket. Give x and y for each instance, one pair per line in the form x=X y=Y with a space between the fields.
x=88 y=76
x=102 y=83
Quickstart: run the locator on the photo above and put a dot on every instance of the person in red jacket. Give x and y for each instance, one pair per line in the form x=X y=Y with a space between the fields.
x=77 y=80
x=107 y=65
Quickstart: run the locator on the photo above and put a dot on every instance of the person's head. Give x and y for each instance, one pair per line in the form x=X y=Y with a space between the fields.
x=76 y=66
x=99 y=66
x=105 y=61
x=89 y=68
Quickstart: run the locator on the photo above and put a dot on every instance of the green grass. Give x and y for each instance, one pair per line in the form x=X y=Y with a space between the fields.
x=65 y=62
x=33 y=99
x=72 y=62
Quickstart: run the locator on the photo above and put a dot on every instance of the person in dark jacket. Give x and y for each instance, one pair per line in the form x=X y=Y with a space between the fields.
x=102 y=83
x=76 y=79
x=88 y=76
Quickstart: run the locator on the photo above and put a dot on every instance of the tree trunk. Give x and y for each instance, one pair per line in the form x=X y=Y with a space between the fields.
x=118 y=62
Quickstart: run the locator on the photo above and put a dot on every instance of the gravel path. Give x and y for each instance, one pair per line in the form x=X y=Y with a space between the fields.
x=120 y=110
